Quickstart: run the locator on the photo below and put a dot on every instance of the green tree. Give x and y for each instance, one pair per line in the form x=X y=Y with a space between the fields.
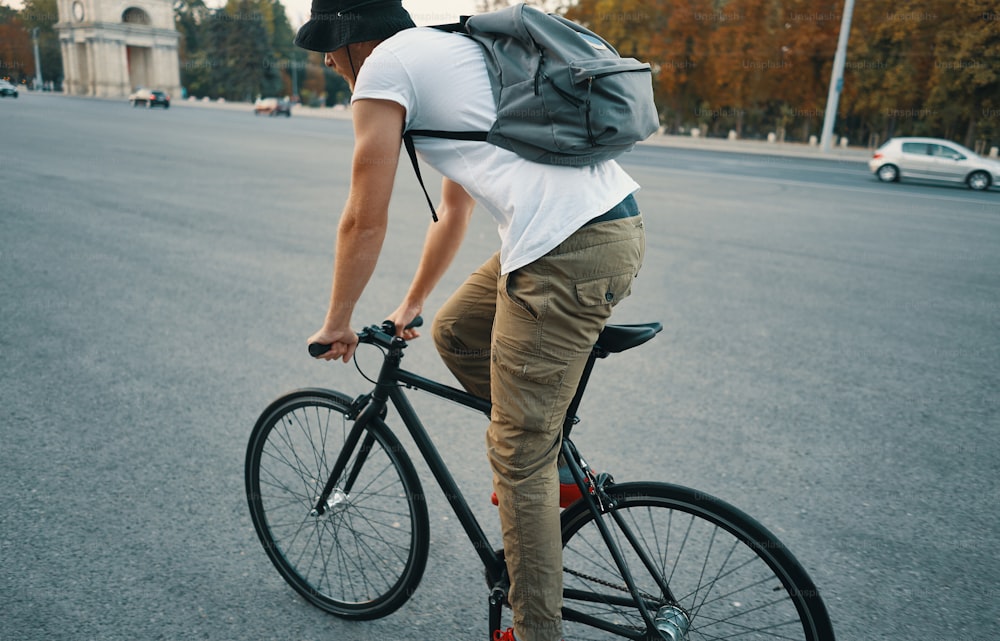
x=290 y=59
x=282 y=34
x=337 y=90
x=238 y=52
x=229 y=54
x=190 y=17
x=43 y=15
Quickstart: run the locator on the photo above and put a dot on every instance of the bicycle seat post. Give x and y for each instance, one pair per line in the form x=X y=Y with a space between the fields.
x=574 y=405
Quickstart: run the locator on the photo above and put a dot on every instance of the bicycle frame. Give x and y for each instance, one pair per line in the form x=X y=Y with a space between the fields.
x=389 y=388
x=366 y=547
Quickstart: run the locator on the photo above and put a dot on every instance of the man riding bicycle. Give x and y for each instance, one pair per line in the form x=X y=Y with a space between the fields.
x=520 y=328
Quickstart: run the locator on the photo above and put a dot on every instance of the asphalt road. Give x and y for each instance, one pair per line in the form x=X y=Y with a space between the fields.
x=830 y=363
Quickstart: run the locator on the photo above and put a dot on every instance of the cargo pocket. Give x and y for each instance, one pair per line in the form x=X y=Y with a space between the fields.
x=525 y=388
x=604 y=290
x=527 y=291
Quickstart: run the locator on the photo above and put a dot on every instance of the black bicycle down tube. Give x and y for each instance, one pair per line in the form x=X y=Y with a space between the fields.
x=444 y=478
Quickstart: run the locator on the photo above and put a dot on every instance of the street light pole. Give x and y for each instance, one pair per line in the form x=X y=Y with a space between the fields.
x=38 y=62
x=837 y=76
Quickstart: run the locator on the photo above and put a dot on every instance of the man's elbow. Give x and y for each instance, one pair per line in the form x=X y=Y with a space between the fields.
x=459 y=210
x=364 y=219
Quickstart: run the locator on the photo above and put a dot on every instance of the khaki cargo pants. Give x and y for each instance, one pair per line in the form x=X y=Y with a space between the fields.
x=522 y=339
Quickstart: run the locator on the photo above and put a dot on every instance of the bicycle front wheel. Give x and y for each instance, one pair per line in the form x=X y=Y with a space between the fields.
x=706 y=568
x=365 y=554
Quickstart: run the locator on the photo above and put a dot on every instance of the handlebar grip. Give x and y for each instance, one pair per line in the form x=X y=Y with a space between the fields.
x=318 y=349
x=390 y=328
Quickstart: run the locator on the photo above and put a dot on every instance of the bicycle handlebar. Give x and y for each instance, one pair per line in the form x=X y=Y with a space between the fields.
x=382 y=335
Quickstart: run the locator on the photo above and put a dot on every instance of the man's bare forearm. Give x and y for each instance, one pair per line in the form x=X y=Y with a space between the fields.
x=441 y=245
x=358 y=247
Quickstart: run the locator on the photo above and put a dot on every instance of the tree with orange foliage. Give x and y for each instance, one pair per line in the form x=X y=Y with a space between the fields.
x=17 y=62
x=929 y=67
x=661 y=33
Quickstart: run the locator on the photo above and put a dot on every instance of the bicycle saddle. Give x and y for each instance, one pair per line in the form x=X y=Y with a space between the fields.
x=618 y=338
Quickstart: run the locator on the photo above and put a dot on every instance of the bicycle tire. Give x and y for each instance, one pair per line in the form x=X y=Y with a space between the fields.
x=730 y=576
x=366 y=554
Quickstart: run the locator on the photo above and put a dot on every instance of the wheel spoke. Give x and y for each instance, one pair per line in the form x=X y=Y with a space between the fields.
x=365 y=553
x=717 y=563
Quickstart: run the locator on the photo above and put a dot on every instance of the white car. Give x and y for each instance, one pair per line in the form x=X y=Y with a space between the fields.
x=7 y=89
x=933 y=159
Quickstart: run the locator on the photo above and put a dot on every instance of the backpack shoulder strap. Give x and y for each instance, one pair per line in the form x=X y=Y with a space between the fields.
x=411 y=151
x=453 y=27
x=451 y=135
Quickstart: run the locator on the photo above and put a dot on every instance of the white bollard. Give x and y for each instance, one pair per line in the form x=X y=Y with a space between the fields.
x=813 y=141
x=994 y=152
x=843 y=143
x=695 y=133
x=771 y=137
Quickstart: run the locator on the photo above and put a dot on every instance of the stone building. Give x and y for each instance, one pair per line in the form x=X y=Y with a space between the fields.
x=110 y=47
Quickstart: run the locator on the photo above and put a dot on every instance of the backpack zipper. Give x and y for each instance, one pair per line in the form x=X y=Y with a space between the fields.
x=568 y=97
x=538 y=72
x=590 y=130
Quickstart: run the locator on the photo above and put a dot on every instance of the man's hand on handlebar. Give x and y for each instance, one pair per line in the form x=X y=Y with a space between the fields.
x=340 y=344
x=330 y=345
x=403 y=318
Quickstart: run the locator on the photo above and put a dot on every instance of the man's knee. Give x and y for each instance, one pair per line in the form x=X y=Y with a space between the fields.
x=443 y=333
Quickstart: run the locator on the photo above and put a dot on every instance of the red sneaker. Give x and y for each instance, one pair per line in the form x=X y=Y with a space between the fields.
x=506 y=635
x=569 y=493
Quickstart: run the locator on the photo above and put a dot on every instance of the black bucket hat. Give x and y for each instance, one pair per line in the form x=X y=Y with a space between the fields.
x=336 y=23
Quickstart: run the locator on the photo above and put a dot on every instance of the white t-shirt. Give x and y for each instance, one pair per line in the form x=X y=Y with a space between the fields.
x=441 y=80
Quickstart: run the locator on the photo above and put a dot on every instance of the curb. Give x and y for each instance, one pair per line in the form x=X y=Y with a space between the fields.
x=754 y=147
x=759 y=147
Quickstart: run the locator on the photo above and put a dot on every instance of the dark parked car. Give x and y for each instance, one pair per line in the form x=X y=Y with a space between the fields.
x=7 y=89
x=150 y=98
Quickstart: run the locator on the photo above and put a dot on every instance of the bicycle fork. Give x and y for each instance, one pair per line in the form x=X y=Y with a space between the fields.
x=333 y=496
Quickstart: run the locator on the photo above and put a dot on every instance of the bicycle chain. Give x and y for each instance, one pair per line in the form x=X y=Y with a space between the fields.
x=606 y=584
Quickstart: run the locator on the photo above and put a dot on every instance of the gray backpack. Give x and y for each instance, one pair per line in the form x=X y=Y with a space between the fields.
x=564 y=96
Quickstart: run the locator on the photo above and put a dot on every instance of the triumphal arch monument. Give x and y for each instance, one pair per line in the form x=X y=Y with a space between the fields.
x=110 y=47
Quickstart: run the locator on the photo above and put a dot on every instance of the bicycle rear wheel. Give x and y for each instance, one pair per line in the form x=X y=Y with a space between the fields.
x=364 y=556
x=729 y=576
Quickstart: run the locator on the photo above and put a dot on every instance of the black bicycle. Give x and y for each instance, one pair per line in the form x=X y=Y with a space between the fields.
x=340 y=511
